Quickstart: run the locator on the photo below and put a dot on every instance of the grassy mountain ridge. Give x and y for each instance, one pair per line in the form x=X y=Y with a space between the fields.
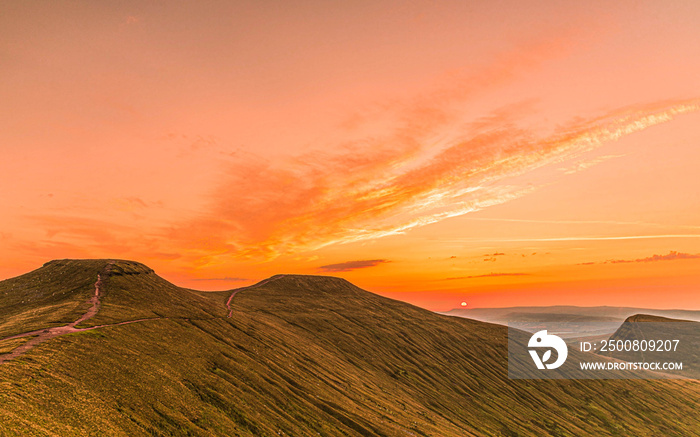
x=49 y=296
x=300 y=355
x=134 y=291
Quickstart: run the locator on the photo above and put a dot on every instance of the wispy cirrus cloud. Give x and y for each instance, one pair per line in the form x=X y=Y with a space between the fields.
x=352 y=265
x=585 y=222
x=585 y=165
x=428 y=159
x=582 y=238
x=371 y=190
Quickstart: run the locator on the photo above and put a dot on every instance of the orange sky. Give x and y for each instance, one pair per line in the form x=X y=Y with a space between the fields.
x=499 y=153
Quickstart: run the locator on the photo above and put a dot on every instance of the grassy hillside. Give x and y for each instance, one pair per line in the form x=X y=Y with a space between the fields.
x=301 y=355
x=52 y=295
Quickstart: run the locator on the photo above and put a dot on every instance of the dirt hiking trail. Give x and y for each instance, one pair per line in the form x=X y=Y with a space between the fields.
x=42 y=335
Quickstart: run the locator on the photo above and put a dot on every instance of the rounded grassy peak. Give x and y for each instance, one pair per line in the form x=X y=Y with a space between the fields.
x=75 y=263
x=308 y=283
x=116 y=267
x=126 y=268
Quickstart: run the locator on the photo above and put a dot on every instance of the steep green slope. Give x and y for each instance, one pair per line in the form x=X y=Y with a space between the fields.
x=302 y=355
x=133 y=291
x=52 y=295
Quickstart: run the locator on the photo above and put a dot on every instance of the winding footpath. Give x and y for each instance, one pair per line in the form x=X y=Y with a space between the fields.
x=42 y=335
x=238 y=290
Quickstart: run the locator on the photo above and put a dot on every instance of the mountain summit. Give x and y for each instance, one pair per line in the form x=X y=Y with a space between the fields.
x=292 y=355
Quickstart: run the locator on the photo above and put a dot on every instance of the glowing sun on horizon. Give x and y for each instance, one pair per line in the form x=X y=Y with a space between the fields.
x=463 y=304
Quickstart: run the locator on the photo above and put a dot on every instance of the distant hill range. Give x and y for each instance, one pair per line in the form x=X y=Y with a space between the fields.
x=571 y=322
x=598 y=313
x=109 y=348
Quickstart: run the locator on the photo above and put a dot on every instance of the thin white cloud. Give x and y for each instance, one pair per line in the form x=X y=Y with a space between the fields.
x=621 y=237
x=584 y=222
x=585 y=165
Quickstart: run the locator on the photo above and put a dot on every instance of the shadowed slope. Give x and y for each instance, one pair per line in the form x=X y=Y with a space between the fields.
x=306 y=355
